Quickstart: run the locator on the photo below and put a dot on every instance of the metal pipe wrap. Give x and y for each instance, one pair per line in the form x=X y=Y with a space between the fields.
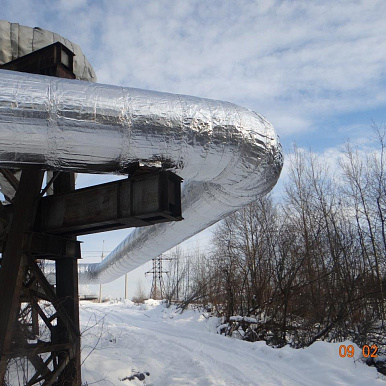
x=227 y=155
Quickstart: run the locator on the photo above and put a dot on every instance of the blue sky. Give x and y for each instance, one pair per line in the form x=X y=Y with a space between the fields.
x=315 y=69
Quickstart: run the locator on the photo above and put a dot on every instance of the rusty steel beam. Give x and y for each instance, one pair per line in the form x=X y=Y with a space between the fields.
x=53 y=60
x=10 y=177
x=146 y=199
x=134 y=202
x=12 y=267
x=67 y=291
x=37 y=348
x=50 y=247
x=71 y=327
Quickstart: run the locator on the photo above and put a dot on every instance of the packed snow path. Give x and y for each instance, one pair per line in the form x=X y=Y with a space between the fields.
x=166 y=348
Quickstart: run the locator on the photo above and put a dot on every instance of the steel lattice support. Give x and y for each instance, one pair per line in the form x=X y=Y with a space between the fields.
x=40 y=324
x=21 y=280
x=56 y=359
x=14 y=261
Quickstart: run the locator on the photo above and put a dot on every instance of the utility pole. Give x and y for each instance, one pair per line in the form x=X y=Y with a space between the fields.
x=100 y=285
x=126 y=286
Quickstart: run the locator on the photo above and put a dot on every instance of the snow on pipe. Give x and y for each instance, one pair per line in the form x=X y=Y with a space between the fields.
x=228 y=155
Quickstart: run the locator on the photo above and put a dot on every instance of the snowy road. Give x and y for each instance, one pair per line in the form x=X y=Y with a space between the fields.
x=185 y=350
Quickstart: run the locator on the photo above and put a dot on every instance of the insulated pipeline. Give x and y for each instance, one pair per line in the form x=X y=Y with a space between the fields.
x=227 y=155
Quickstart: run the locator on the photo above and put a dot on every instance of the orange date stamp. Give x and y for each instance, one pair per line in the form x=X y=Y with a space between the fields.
x=367 y=351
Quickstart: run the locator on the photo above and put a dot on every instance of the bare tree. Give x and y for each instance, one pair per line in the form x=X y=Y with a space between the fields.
x=309 y=265
x=139 y=295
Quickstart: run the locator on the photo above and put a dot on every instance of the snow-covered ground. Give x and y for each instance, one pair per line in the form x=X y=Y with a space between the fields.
x=167 y=348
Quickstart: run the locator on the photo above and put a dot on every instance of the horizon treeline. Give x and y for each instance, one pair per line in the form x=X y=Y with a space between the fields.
x=306 y=266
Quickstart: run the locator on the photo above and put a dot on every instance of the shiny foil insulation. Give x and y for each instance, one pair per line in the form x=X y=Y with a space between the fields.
x=227 y=155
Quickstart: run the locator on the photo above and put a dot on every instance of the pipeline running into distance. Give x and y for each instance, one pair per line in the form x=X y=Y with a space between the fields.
x=227 y=155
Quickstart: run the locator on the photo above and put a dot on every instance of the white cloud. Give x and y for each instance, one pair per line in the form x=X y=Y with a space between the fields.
x=293 y=61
